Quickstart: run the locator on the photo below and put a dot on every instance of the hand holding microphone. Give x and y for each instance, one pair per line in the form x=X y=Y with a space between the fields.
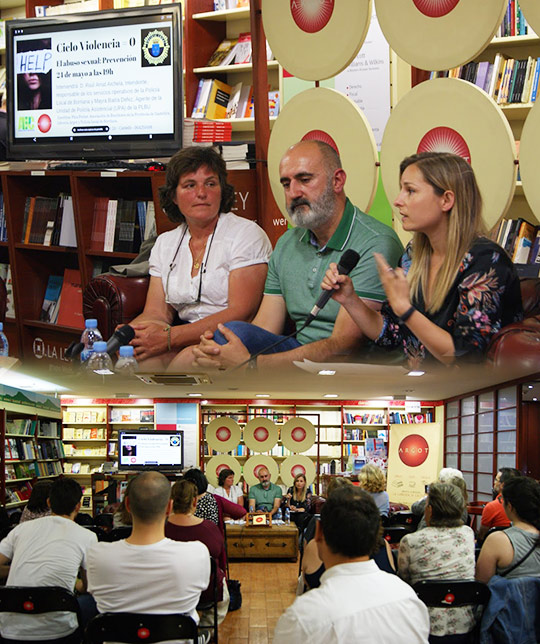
x=123 y=335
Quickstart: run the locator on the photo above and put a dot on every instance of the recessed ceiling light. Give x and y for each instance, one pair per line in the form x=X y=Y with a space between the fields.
x=327 y=372
x=531 y=386
x=535 y=399
x=262 y=395
x=330 y=395
x=416 y=373
x=194 y=395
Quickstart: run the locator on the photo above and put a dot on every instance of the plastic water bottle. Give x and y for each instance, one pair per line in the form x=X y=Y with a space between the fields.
x=287 y=515
x=100 y=361
x=126 y=365
x=278 y=515
x=4 y=344
x=88 y=337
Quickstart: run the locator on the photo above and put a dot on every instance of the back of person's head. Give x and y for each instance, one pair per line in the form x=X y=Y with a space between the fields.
x=523 y=493
x=446 y=172
x=448 y=473
x=371 y=478
x=447 y=505
x=183 y=494
x=337 y=482
x=38 y=499
x=187 y=161
x=64 y=496
x=508 y=473
x=350 y=522
x=459 y=482
x=224 y=474
x=149 y=494
x=197 y=477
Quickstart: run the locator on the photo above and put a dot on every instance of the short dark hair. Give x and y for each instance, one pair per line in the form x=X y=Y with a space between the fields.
x=149 y=494
x=38 y=499
x=64 y=496
x=523 y=493
x=508 y=473
x=197 y=477
x=224 y=474
x=190 y=160
x=350 y=522
x=447 y=505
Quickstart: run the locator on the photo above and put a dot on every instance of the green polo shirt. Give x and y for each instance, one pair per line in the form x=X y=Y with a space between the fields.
x=297 y=267
x=264 y=499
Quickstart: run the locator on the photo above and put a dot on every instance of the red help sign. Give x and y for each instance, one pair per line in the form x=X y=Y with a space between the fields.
x=413 y=450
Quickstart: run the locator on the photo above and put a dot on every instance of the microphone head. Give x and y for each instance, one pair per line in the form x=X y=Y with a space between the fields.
x=348 y=261
x=125 y=333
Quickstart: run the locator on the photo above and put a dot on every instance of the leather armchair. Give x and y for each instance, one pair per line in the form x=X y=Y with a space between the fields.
x=3 y=300
x=114 y=300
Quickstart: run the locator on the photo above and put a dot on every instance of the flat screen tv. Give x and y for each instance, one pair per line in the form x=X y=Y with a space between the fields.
x=104 y=85
x=140 y=450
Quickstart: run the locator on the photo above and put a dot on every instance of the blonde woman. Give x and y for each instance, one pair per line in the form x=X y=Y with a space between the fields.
x=454 y=288
x=298 y=496
x=372 y=479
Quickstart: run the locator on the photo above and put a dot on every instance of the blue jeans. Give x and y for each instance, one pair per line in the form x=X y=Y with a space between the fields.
x=256 y=339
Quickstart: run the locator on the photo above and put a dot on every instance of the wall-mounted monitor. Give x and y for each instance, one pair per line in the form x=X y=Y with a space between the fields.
x=140 y=450
x=104 y=85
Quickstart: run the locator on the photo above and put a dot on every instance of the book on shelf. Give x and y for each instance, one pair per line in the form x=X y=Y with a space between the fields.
x=273 y=102
x=68 y=236
x=218 y=99
x=201 y=99
x=110 y=227
x=127 y=233
x=232 y=105
x=523 y=242
x=246 y=94
x=51 y=301
x=70 y=308
x=534 y=83
x=3 y=228
x=99 y=223
x=10 y=302
x=224 y=53
x=243 y=49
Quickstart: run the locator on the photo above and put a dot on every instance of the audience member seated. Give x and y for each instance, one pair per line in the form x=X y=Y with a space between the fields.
x=493 y=514
x=37 y=505
x=210 y=268
x=227 y=489
x=121 y=517
x=183 y=525
x=356 y=602
x=442 y=550
x=207 y=507
x=372 y=479
x=265 y=496
x=299 y=498
x=50 y=551
x=435 y=309
x=335 y=483
x=148 y=573
x=514 y=552
x=446 y=475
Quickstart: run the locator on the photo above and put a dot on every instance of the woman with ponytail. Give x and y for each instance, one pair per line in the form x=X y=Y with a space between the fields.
x=514 y=552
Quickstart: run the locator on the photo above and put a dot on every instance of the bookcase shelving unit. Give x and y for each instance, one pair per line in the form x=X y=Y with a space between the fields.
x=126 y=417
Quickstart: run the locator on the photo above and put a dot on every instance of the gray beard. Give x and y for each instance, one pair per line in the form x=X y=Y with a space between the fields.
x=318 y=212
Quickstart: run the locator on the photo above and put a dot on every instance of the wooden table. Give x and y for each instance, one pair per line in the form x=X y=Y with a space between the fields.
x=275 y=542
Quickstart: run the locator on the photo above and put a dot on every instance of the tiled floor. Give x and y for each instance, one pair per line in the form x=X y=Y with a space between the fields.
x=268 y=588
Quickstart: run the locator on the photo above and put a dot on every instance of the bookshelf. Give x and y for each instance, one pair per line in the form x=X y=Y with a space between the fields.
x=126 y=417
x=32 y=4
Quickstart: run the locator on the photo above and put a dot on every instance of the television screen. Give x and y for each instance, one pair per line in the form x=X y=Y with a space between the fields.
x=151 y=450
x=104 y=85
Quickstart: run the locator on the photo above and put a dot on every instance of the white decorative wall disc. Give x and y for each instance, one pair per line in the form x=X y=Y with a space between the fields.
x=327 y=115
x=260 y=434
x=315 y=39
x=254 y=463
x=298 y=434
x=294 y=465
x=528 y=159
x=222 y=462
x=222 y=434
x=439 y=34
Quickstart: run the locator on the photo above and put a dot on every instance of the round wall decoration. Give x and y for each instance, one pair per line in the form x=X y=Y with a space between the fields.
x=222 y=434
x=260 y=434
x=298 y=434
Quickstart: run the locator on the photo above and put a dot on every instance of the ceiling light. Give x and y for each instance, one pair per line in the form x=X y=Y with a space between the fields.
x=194 y=395
x=22 y=381
x=330 y=395
x=531 y=386
x=416 y=373
x=327 y=372
x=535 y=399
x=262 y=395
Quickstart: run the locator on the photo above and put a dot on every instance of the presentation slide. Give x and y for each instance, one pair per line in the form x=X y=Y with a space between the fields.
x=150 y=449
x=105 y=81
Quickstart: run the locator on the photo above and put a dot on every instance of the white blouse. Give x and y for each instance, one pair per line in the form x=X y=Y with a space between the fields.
x=237 y=242
x=234 y=493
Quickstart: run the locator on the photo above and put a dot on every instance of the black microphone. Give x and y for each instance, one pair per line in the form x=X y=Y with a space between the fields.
x=74 y=351
x=119 y=338
x=348 y=261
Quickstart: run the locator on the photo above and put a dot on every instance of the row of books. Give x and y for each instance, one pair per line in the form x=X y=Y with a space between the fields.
x=514 y=22
x=120 y=225
x=3 y=227
x=51 y=468
x=506 y=80
x=18 y=471
x=67 y=7
x=84 y=416
x=19 y=449
x=49 y=221
x=50 y=449
x=19 y=493
x=74 y=450
x=23 y=426
x=368 y=418
x=126 y=415
x=222 y=5
x=216 y=99
x=520 y=239
x=48 y=429
x=5 y=274
x=80 y=468
x=235 y=51
x=80 y=433
x=398 y=418
x=203 y=132
x=353 y=450
x=330 y=434
x=62 y=302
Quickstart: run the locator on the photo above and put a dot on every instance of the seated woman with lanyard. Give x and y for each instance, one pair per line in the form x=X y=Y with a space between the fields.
x=455 y=288
x=211 y=268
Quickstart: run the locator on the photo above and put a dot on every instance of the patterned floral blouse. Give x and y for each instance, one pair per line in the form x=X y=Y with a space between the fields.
x=484 y=297
x=440 y=553
x=207 y=508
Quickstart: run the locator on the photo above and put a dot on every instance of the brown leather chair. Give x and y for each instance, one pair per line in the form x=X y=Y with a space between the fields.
x=3 y=300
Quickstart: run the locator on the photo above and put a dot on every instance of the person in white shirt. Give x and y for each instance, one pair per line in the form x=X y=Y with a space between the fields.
x=148 y=573
x=227 y=489
x=356 y=602
x=48 y=551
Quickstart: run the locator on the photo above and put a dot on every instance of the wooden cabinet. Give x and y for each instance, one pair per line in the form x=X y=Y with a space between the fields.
x=275 y=542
